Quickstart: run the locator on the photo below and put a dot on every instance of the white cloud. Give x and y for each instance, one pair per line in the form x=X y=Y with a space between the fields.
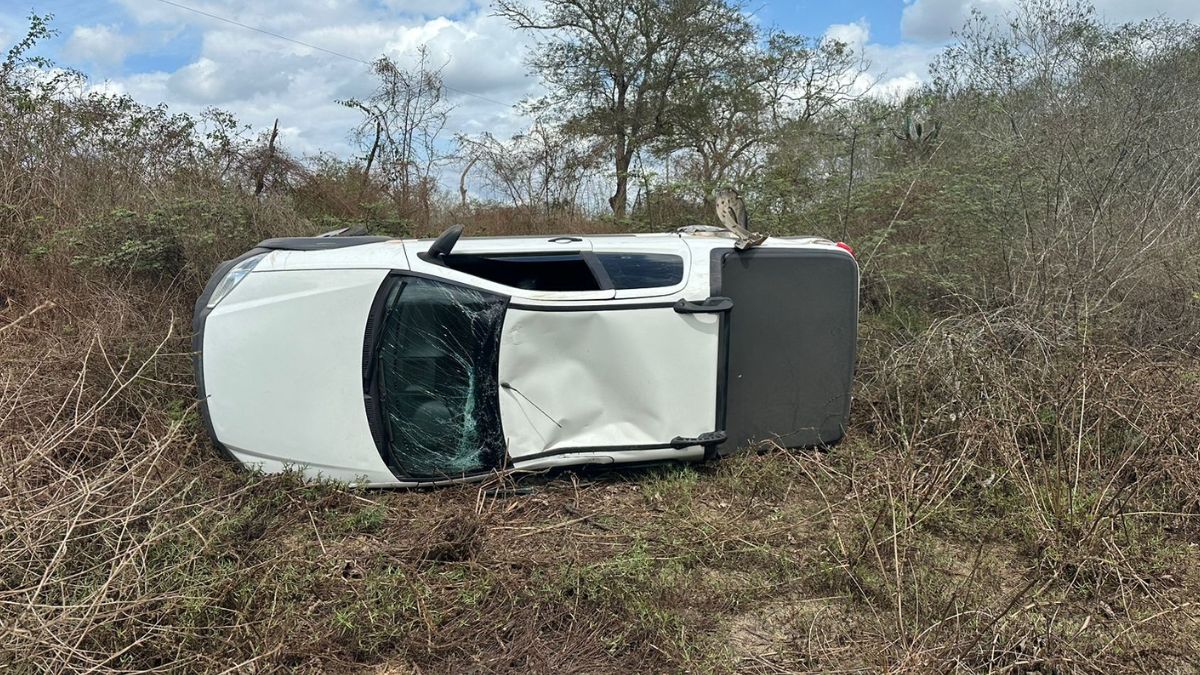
x=260 y=77
x=427 y=7
x=901 y=66
x=893 y=88
x=854 y=35
x=891 y=70
x=211 y=83
x=937 y=20
x=930 y=21
x=102 y=45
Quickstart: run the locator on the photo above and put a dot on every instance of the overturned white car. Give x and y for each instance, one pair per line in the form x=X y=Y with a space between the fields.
x=390 y=362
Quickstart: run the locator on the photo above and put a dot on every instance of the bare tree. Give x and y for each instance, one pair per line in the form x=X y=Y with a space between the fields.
x=402 y=121
x=1099 y=128
x=723 y=124
x=542 y=168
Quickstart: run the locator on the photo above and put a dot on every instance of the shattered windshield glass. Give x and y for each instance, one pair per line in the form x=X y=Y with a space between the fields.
x=437 y=363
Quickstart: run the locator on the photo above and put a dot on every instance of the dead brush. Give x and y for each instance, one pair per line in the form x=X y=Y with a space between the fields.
x=126 y=544
x=99 y=515
x=1070 y=450
x=74 y=532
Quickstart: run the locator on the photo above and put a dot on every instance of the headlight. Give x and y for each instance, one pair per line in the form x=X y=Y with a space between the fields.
x=232 y=278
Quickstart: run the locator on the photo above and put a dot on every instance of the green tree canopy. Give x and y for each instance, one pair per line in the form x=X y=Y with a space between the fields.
x=616 y=68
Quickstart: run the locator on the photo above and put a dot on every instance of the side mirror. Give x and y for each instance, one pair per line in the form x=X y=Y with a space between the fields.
x=445 y=242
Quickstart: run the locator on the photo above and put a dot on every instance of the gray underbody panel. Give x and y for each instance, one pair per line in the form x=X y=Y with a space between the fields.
x=791 y=345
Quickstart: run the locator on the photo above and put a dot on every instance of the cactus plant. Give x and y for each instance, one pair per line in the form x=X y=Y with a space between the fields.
x=918 y=133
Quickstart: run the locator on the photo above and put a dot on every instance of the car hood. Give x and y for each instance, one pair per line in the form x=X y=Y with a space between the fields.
x=281 y=367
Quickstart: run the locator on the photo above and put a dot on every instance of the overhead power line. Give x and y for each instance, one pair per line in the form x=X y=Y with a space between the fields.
x=311 y=46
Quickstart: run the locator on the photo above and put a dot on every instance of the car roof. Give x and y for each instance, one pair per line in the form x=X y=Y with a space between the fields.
x=386 y=252
x=632 y=236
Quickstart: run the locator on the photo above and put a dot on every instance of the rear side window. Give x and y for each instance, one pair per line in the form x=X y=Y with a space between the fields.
x=642 y=270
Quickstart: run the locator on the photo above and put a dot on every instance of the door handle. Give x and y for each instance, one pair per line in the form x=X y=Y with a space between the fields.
x=713 y=305
x=564 y=240
x=706 y=439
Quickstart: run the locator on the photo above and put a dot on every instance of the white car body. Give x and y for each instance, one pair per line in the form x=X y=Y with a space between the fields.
x=309 y=359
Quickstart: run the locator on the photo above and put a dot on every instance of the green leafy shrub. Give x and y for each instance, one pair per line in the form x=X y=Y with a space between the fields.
x=183 y=237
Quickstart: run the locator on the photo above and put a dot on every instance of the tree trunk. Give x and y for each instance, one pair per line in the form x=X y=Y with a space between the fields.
x=849 y=184
x=371 y=154
x=709 y=182
x=260 y=180
x=462 y=181
x=621 y=196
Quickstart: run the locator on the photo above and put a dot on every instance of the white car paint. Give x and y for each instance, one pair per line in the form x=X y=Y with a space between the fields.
x=387 y=255
x=283 y=373
x=607 y=378
x=282 y=358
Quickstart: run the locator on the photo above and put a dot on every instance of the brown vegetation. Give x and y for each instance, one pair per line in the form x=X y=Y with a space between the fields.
x=1019 y=491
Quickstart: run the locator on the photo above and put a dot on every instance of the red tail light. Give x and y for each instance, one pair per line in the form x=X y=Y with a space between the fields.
x=845 y=247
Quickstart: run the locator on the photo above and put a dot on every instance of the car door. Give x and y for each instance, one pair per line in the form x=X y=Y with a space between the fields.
x=619 y=378
x=638 y=373
x=583 y=370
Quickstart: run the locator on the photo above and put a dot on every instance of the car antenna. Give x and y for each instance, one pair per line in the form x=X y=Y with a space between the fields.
x=505 y=385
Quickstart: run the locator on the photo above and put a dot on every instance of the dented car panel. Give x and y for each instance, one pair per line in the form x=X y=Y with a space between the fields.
x=412 y=362
x=657 y=382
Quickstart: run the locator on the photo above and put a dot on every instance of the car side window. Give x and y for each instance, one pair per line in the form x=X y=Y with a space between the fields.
x=566 y=271
x=573 y=271
x=642 y=270
x=436 y=364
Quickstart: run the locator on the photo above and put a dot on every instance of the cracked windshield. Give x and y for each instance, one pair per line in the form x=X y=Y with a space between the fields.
x=437 y=369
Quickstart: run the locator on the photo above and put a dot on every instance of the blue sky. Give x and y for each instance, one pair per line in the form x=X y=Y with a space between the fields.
x=812 y=18
x=160 y=53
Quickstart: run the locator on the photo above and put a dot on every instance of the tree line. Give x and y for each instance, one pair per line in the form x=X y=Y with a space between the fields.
x=1050 y=161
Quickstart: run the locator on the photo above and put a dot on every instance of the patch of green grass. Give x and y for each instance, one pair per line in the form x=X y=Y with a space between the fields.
x=633 y=583
x=670 y=487
x=363 y=520
x=183 y=413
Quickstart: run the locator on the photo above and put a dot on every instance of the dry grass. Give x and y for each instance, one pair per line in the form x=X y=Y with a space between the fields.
x=1012 y=498
x=1019 y=492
